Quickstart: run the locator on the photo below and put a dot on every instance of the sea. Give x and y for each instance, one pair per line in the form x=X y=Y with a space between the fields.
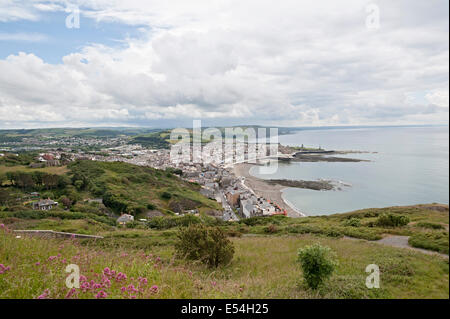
x=406 y=166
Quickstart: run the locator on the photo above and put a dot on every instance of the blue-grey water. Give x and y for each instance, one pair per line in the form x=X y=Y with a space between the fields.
x=411 y=166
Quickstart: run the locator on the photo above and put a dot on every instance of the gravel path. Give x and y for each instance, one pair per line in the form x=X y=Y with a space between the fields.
x=399 y=242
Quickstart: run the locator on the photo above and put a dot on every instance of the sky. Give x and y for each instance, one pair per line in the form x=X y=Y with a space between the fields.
x=163 y=63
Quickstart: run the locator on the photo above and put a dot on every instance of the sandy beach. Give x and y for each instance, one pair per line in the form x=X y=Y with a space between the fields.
x=264 y=189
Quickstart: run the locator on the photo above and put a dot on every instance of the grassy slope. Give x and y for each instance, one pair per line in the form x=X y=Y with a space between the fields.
x=264 y=266
x=137 y=185
x=58 y=170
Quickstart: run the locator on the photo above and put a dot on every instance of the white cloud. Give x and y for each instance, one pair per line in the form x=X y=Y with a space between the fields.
x=287 y=63
x=438 y=97
x=23 y=37
x=13 y=10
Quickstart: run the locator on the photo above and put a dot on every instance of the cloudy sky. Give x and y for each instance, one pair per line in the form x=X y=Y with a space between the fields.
x=164 y=62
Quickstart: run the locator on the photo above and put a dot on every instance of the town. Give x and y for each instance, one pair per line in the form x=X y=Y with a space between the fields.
x=216 y=178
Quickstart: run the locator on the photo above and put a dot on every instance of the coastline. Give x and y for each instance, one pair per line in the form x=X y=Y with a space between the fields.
x=266 y=190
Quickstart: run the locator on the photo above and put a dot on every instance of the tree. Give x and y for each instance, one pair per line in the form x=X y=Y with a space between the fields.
x=206 y=244
x=4 y=196
x=24 y=180
x=37 y=177
x=115 y=203
x=318 y=263
x=11 y=176
x=3 y=178
x=50 y=181
x=66 y=201
x=79 y=184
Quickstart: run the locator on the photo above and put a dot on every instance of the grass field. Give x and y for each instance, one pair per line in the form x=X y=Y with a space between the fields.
x=263 y=267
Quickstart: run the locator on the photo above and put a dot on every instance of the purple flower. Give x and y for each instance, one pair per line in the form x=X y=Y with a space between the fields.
x=44 y=295
x=143 y=281
x=101 y=294
x=71 y=293
x=154 y=289
x=121 y=276
x=4 y=269
x=107 y=271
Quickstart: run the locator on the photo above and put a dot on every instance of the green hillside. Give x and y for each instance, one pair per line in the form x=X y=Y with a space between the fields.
x=124 y=188
x=264 y=264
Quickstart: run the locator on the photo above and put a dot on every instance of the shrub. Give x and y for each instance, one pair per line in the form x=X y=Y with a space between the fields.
x=162 y=222
x=271 y=229
x=353 y=222
x=135 y=210
x=430 y=225
x=367 y=234
x=262 y=220
x=437 y=241
x=34 y=214
x=390 y=220
x=132 y=224
x=166 y=195
x=314 y=229
x=318 y=263
x=206 y=244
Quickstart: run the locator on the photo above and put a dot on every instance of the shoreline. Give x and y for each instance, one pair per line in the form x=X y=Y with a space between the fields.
x=260 y=187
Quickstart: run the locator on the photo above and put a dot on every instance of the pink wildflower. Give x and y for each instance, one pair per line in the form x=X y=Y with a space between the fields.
x=154 y=289
x=44 y=295
x=71 y=293
x=106 y=281
x=107 y=271
x=85 y=286
x=143 y=281
x=101 y=294
x=131 y=288
x=97 y=286
x=121 y=276
x=4 y=269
